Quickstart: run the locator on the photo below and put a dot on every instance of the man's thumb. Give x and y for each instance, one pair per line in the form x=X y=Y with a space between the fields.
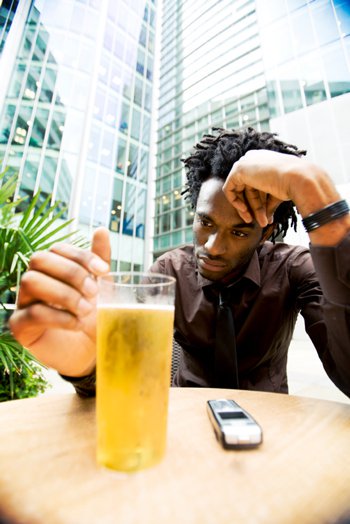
x=101 y=245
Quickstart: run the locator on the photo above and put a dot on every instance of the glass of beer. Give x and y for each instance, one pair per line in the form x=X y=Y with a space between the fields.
x=135 y=318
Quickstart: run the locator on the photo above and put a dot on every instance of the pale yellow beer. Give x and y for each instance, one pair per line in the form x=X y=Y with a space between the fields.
x=134 y=345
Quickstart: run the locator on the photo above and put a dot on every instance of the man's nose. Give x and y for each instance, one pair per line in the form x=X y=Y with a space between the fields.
x=215 y=245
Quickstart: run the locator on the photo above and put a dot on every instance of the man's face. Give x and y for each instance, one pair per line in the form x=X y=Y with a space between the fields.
x=224 y=244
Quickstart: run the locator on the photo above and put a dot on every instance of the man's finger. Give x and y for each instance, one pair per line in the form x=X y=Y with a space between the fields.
x=88 y=259
x=28 y=324
x=38 y=287
x=257 y=204
x=272 y=205
x=101 y=244
x=65 y=270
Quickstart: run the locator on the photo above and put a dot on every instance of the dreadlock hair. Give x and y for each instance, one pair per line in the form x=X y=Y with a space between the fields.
x=214 y=156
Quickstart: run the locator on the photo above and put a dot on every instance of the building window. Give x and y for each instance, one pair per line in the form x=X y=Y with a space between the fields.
x=114 y=223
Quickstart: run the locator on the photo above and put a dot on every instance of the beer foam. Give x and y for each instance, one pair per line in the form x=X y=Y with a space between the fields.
x=153 y=307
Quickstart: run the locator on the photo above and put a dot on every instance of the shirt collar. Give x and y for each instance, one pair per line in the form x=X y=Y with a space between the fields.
x=252 y=273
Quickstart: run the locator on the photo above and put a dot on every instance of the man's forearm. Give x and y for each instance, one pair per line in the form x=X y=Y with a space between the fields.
x=312 y=192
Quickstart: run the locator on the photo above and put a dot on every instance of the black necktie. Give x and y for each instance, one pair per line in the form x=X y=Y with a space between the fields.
x=225 y=366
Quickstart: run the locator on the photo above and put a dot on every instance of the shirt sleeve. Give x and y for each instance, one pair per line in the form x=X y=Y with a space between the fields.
x=330 y=332
x=332 y=265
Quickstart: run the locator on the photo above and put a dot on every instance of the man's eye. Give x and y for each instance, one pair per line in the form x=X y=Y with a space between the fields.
x=239 y=234
x=204 y=223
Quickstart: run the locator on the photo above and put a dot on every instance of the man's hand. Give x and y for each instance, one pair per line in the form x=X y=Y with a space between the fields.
x=262 y=179
x=56 y=315
x=259 y=182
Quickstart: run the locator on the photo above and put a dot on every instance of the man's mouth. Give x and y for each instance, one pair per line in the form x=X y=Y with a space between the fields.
x=211 y=265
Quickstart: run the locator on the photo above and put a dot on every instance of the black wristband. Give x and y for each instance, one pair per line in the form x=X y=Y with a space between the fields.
x=325 y=215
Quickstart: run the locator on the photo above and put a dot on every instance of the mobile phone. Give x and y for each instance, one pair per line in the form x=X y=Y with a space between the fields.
x=234 y=427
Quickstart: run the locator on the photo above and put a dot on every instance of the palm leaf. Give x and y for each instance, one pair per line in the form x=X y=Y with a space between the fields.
x=34 y=232
x=52 y=234
x=41 y=214
x=21 y=234
x=28 y=211
x=7 y=188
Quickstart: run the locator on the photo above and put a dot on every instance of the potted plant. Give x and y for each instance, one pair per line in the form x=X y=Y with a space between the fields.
x=35 y=228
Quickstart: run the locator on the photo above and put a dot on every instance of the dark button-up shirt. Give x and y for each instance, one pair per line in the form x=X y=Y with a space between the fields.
x=279 y=283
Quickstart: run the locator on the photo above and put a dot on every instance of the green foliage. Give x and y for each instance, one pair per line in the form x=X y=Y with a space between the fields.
x=20 y=375
x=22 y=233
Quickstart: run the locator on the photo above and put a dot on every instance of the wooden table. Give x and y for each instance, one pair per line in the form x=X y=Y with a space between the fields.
x=301 y=473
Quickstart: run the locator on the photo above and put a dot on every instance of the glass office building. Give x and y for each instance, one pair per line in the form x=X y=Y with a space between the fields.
x=211 y=74
x=279 y=65
x=76 y=104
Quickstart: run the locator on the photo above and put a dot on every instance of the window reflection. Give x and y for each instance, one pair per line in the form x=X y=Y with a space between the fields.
x=80 y=93
x=108 y=36
x=270 y=10
x=342 y=10
x=129 y=210
x=28 y=42
x=72 y=131
x=143 y=36
x=48 y=85
x=85 y=57
x=138 y=92
x=51 y=86
x=290 y=87
x=141 y=213
x=165 y=223
x=324 y=22
x=312 y=81
x=56 y=130
x=303 y=32
x=32 y=83
x=278 y=32
x=124 y=118
x=107 y=145
x=77 y=19
x=40 y=46
x=150 y=64
x=114 y=223
x=17 y=81
x=29 y=174
x=22 y=125
x=146 y=129
x=166 y=203
x=152 y=18
x=140 y=63
x=64 y=186
x=177 y=219
x=127 y=87
x=132 y=161
x=136 y=124
x=99 y=104
x=189 y=217
x=47 y=178
x=337 y=71
x=273 y=98
x=94 y=144
x=148 y=98
x=121 y=156
x=7 y=13
x=87 y=196
x=6 y=123
x=119 y=45
x=143 y=166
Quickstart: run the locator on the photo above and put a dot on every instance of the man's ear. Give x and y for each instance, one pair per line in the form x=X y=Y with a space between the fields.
x=267 y=232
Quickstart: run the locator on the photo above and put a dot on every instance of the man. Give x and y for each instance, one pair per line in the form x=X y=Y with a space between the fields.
x=242 y=185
